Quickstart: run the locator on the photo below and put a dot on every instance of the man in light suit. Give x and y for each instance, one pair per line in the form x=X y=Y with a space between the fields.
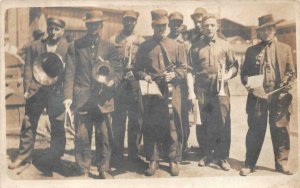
x=273 y=60
x=92 y=104
x=43 y=93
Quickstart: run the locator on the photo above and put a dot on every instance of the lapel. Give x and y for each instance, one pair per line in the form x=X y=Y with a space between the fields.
x=279 y=60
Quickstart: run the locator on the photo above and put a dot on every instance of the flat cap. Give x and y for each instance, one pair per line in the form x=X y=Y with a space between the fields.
x=131 y=13
x=159 y=16
x=175 y=16
x=56 y=21
x=198 y=11
x=209 y=15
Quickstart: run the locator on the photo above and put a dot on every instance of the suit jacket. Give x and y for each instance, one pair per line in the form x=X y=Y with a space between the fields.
x=78 y=82
x=55 y=98
x=251 y=66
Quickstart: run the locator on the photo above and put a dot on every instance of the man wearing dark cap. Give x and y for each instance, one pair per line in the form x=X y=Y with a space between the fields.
x=43 y=82
x=196 y=33
x=273 y=60
x=176 y=25
x=163 y=61
x=91 y=102
x=127 y=97
x=213 y=63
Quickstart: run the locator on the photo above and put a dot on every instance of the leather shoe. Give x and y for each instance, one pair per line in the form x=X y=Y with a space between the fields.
x=284 y=169
x=246 y=171
x=224 y=165
x=151 y=170
x=174 y=169
x=105 y=175
x=15 y=164
x=204 y=161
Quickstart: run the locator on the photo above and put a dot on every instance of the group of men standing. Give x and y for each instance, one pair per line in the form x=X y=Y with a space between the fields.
x=184 y=68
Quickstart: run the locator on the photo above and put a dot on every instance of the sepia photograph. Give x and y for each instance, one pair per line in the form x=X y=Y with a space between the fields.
x=141 y=93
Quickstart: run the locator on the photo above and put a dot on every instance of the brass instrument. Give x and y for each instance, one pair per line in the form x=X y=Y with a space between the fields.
x=102 y=71
x=129 y=74
x=47 y=67
x=221 y=81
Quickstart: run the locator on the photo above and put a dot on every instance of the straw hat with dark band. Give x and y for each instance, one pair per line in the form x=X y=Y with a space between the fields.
x=93 y=16
x=159 y=16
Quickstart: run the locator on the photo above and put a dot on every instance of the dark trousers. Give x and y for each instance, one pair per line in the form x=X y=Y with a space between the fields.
x=185 y=115
x=157 y=130
x=126 y=106
x=257 y=122
x=84 y=123
x=215 y=133
x=33 y=110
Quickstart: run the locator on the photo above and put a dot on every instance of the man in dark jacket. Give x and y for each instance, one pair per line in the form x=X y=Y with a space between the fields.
x=160 y=122
x=91 y=102
x=43 y=89
x=273 y=60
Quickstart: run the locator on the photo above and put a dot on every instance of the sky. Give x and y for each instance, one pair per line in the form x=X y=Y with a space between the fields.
x=244 y=12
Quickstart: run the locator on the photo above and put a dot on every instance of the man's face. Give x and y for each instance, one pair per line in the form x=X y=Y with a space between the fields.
x=267 y=33
x=54 y=31
x=198 y=22
x=210 y=27
x=93 y=27
x=159 y=30
x=129 y=24
x=175 y=26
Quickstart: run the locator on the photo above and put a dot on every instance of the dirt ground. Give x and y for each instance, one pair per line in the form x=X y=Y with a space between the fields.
x=189 y=168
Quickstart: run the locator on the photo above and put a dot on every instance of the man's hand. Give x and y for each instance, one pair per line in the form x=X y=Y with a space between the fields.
x=26 y=95
x=148 y=78
x=191 y=95
x=110 y=83
x=169 y=76
x=249 y=88
x=67 y=103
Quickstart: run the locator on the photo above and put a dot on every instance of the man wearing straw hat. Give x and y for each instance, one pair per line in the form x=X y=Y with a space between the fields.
x=128 y=100
x=273 y=60
x=43 y=87
x=89 y=94
x=160 y=122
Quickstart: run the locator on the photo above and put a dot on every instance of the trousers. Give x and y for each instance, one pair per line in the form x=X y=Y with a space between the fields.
x=33 y=110
x=277 y=112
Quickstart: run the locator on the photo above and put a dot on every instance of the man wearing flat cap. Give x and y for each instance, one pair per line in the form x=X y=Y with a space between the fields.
x=196 y=33
x=176 y=25
x=214 y=63
x=91 y=101
x=128 y=100
x=43 y=88
x=163 y=61
x=273 y=60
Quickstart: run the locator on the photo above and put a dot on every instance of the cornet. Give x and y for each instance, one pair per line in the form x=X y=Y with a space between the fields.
x=221 y=81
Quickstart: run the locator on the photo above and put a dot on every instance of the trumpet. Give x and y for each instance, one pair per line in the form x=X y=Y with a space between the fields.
x=221 y=81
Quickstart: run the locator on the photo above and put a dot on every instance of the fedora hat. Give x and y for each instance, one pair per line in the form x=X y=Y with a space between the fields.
x=198 y=11
x=267 y=20
x=159 y=16
x=93 y=16
x=47 y=67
